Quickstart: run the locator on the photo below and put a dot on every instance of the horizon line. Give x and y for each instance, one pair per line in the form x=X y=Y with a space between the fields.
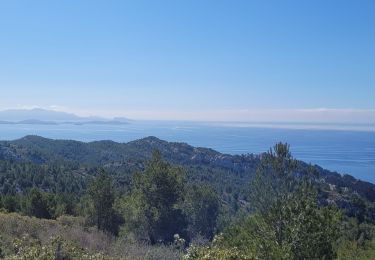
x=245 y=115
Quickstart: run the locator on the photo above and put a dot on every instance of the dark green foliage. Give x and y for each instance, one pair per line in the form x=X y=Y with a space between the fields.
x=60 y=166
x=18 y=177
x=202 y=207
x=40 y=204
x=157 y=196
x=37 y=204
x=102 y=198
x=64 y=204
x=11 y=203
x=292 y=210
x=287 y=222
x=288 y=205
x=274 y=181
x=161 y=205
x=357 y=240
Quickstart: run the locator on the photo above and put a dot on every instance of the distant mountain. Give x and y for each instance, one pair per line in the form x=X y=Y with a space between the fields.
x=47 y=117
x=15 y=115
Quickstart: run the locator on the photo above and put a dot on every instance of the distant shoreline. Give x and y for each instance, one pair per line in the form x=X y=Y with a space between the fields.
x=360 y=127
x=40 y=122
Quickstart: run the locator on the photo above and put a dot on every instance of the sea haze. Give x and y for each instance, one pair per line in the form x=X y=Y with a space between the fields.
x=351 y=152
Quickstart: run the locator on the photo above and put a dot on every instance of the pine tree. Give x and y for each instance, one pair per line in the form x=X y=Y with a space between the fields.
x=158 y=192
x=102 y=197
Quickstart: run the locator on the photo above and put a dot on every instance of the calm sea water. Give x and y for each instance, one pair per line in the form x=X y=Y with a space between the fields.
x=351 y=152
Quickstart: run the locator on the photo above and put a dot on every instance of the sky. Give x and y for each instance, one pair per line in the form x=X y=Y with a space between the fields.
x=191 y=60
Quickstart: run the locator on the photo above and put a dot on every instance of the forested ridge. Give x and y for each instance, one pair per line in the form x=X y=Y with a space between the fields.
x=176 y=201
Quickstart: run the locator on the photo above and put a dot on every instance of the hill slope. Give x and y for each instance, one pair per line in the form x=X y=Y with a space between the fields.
x=42 y=150
x=228 y=173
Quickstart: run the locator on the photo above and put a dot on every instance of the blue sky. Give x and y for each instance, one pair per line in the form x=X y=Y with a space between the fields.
x=204 y=60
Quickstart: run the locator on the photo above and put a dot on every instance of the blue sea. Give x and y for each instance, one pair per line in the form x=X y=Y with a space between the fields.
x=344 y=151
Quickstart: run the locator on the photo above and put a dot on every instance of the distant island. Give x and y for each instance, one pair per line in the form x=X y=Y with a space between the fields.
x=39 y=116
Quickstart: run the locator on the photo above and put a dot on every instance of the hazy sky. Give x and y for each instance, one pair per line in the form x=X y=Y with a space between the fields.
x=229 y=60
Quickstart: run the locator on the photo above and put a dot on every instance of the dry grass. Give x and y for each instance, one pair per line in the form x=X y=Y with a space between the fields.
x=72 y=229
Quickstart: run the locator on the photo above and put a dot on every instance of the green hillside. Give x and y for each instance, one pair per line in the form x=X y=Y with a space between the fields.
x=152 y=199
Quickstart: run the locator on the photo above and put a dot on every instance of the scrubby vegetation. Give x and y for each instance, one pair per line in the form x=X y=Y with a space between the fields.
x=191 y=204
x=69 y=237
